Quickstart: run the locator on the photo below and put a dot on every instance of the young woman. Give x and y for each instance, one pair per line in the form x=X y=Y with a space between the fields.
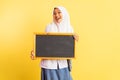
x=57 y=69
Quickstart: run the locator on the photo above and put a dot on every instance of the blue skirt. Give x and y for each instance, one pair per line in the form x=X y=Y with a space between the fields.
x=55 y=74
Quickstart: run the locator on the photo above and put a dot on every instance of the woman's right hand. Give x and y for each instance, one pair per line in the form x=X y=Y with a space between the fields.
x=32 y=55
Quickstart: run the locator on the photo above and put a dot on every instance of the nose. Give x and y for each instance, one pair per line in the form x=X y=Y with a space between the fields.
x=57 y=15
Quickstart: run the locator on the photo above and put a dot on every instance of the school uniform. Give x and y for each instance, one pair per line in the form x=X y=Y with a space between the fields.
x=57 y=69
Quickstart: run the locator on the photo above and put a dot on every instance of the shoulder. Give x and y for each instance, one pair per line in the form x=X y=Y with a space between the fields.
x=71 y=29
x=48 y=27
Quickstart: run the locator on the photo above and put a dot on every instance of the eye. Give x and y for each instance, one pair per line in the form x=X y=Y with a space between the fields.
x=54 y=13
x=59 y=12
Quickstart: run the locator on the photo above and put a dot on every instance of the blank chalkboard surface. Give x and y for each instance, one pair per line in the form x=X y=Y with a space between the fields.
x=54 y=46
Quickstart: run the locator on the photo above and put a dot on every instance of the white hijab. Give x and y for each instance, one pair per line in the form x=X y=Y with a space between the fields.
x=64 y=26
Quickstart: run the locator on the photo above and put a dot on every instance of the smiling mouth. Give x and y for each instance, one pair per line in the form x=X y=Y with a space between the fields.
x=58 y=19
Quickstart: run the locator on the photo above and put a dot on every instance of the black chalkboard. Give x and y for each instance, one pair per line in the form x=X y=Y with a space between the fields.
x=54 y=46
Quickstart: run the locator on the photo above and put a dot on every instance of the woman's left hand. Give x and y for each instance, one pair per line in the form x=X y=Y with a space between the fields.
x=76 y=37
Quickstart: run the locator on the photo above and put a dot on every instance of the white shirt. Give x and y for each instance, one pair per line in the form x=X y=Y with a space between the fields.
x=53 y=64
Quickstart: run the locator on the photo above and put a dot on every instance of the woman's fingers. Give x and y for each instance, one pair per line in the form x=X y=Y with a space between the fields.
x=76 y=37
x=32 y=55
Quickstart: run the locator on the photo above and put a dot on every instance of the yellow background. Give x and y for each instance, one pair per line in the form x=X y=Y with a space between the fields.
x=97 y=23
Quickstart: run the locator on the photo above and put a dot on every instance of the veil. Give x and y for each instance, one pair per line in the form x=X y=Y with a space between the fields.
x=64 y=26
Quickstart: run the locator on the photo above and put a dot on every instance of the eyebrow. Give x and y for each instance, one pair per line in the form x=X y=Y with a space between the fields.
x=55 y=8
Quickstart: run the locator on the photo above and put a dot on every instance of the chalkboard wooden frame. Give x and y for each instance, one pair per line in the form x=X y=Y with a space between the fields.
x=70 y=45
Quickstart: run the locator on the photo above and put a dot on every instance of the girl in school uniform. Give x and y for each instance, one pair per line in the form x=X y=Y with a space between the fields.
x=57 y=69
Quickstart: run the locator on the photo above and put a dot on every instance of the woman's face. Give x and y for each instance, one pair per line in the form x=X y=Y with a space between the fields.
x=57 y=15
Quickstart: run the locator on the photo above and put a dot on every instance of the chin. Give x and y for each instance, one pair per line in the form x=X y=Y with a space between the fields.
x=57 y=21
